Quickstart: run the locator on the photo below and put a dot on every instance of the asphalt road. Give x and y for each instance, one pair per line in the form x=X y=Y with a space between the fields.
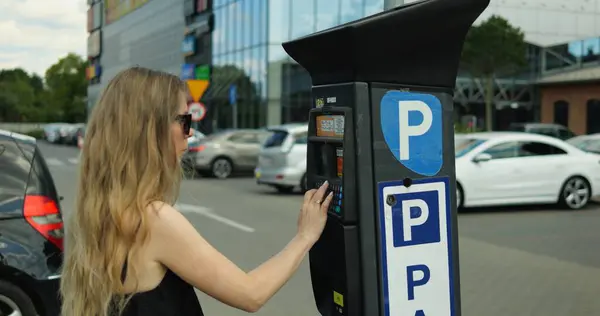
x=514 y=261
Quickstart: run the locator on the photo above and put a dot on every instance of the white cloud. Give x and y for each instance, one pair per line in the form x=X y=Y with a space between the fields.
x=36 y=33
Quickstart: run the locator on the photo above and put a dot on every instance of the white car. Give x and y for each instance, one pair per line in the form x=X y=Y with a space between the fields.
x=589 y=143
x=282 y=158
x=508 y=168
x=196 y=136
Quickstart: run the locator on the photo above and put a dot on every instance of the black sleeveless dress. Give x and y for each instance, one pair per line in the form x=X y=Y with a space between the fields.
x=172 y=297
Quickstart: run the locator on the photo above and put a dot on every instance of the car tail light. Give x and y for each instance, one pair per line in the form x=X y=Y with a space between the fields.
x=196 y=149
x=43 y=215
x=80 y=142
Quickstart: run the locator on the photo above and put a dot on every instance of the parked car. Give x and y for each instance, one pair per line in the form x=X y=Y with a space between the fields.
x=507 y=168
x=196 y=136
x=553 y=130
x=64 y=131
x=73 y=133
x=31 y=230
x=220 y=154
x=282 y=159
x=589 y=143
x=53 y=132
x=81 y=137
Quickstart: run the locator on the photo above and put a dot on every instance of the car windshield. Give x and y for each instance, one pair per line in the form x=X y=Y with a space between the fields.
x=586 y=144
x=579 y=142
x=463 y=145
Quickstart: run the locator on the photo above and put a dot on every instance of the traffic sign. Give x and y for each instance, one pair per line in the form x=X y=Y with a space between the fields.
x=411 y=124
x=197 y=88
x=198 y=111
x=416 y=247
x=203 y=72
x=187 y=71
x=232 y=94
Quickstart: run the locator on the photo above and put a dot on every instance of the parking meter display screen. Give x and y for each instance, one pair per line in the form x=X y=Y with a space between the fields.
x=330 y=161
x=330 y=126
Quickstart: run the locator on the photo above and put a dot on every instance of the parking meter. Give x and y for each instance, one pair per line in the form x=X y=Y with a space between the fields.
x=382 y=134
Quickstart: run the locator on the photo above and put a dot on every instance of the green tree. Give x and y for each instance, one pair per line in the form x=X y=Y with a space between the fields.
x=17 y=96
x=222 y=78
x=67 y=89
x=493 y=48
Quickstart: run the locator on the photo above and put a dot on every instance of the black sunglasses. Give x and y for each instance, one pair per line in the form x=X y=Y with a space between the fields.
x=186 y=122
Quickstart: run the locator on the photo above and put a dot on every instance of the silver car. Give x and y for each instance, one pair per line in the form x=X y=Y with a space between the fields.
x=54 y=132
x=220 y=154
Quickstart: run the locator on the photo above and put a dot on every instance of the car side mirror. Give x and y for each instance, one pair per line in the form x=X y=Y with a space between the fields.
x=483 y=157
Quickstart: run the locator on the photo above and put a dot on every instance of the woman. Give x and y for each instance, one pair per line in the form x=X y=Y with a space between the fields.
x=125 y=242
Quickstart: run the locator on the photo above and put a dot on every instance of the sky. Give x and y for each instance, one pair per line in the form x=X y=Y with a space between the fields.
x=36 y=33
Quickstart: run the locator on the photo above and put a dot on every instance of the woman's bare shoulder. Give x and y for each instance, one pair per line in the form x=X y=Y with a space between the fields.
x=167 y=224
x=159 y=212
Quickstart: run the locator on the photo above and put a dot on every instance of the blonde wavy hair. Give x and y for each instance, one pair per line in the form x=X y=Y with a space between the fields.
x=127 y=162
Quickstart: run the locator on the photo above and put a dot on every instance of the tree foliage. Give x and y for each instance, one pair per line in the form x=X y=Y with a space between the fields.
x=224 y=76
x=493 y=48
x=248 y=94
x=60 y=96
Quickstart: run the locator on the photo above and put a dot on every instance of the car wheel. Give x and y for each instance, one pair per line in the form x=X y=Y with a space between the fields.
x=304 y=183
x=575 y=193
x=284 y=188
x=222 y=168
x=459 y=197
x=13 y=301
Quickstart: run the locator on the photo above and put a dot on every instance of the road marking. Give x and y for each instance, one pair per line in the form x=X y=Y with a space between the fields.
x=54 y=162
x=74 y=160
x=205 y=211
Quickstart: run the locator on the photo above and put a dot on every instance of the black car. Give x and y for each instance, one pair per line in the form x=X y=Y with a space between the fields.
x=31 y=230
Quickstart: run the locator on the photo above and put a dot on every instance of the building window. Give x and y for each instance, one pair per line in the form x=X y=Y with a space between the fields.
x=373 y=7
x=561 y=113
x=279 y=21
x=593 y=113
x=303 y=18
x=328 y=14
x=351 y=10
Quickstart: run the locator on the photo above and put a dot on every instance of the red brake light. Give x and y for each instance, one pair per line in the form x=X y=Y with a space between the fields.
x=43 y=215
x=197 y=148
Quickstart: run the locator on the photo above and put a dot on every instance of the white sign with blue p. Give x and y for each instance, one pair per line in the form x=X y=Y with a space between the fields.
x=411 y=124
x=416 y=248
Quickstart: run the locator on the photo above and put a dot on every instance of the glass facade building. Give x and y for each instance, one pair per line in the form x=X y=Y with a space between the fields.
x=243 y=47
x=572 y=55
x=246 y=51
x=147 y=33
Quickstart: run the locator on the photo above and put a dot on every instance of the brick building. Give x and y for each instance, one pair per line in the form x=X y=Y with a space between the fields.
x=572 y=99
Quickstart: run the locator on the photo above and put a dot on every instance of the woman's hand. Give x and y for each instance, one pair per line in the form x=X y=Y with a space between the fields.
x=313 y=214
